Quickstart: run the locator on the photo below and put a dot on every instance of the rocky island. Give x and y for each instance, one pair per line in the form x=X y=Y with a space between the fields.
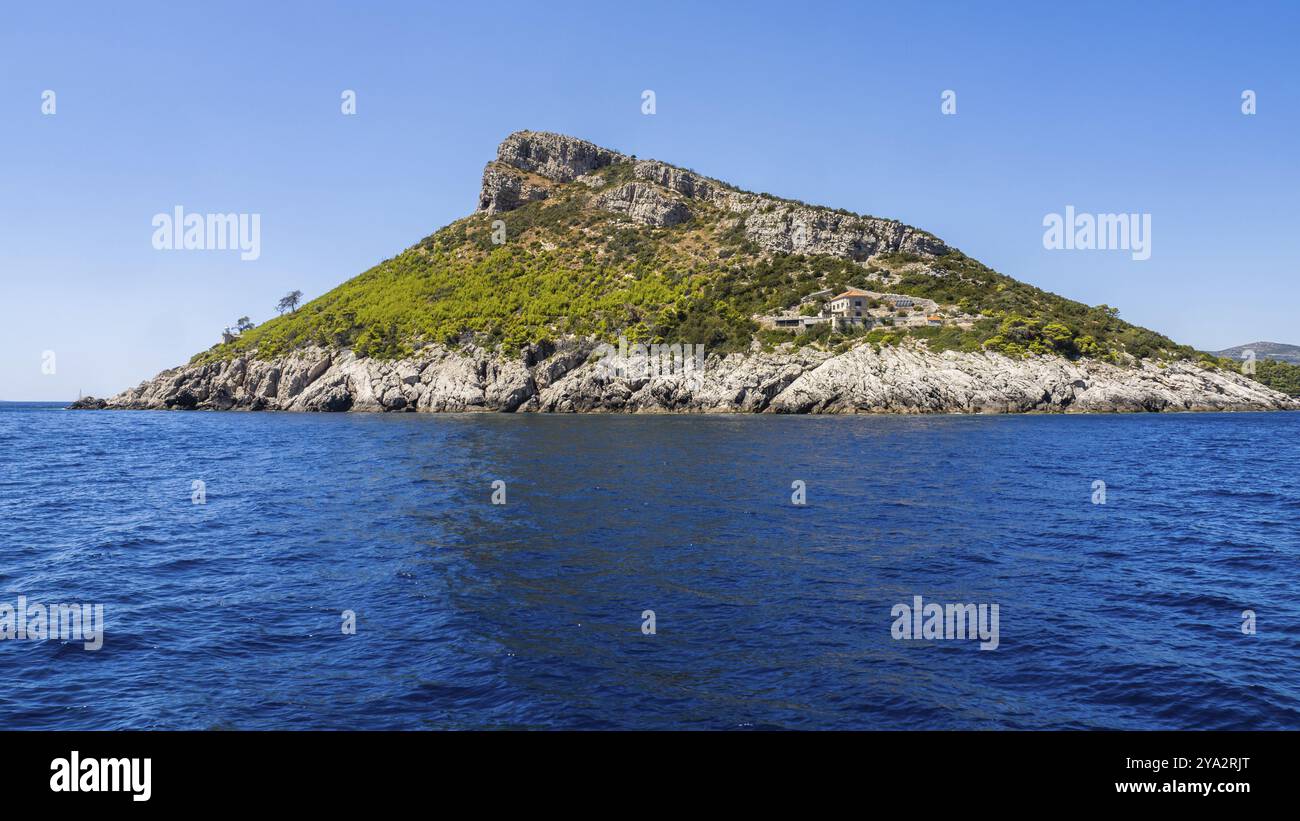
x=790 y=308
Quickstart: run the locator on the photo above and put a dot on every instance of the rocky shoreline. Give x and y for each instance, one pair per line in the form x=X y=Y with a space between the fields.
x=569 y=378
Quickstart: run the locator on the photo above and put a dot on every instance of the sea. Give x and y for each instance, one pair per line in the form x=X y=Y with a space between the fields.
x=510 y=571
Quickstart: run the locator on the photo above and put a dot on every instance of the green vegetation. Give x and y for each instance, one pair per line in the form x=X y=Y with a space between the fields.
x=568 y=268
x=509 y=296
x=949 y=338
x=1280 y=376
x=1031 y=320
x=1018 y=335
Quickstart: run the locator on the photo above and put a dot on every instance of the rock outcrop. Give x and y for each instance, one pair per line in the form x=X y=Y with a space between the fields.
x=570 y=378
x=644 y=204
x=663 y=197
x=782 y=226
x=505 y=189
x=554 y=156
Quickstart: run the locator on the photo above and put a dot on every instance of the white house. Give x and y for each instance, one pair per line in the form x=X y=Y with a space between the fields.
x=851 y=303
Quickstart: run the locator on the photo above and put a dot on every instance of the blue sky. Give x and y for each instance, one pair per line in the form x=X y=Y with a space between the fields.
x=236 y=108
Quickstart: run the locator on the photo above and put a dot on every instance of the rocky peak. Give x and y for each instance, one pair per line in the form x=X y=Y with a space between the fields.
x=555 y=156
x=529 y=164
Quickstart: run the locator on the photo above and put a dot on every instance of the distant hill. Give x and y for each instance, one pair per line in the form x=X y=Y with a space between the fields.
x=1276 y=351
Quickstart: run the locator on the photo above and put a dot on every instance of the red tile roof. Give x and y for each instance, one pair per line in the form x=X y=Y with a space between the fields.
x=849 y=292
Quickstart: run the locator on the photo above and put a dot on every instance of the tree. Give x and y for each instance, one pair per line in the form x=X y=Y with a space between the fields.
x=243 y=324
x=289 y=302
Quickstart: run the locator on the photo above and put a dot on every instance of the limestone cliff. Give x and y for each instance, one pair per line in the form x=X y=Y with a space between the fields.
x=663 y=194
x=568 y=378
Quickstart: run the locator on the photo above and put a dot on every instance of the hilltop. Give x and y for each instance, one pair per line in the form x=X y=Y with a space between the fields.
x=573 y=245
x=600 y=243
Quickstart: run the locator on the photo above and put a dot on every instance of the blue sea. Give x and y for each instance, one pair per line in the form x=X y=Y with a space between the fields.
x=766 y=613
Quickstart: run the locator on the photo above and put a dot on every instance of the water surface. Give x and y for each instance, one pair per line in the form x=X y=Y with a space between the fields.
x=768 y=614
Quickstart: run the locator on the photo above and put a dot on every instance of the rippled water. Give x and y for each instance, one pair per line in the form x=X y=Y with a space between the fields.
x=768 y=614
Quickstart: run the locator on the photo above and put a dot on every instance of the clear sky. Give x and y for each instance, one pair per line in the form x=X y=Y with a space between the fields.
x=235 y=107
